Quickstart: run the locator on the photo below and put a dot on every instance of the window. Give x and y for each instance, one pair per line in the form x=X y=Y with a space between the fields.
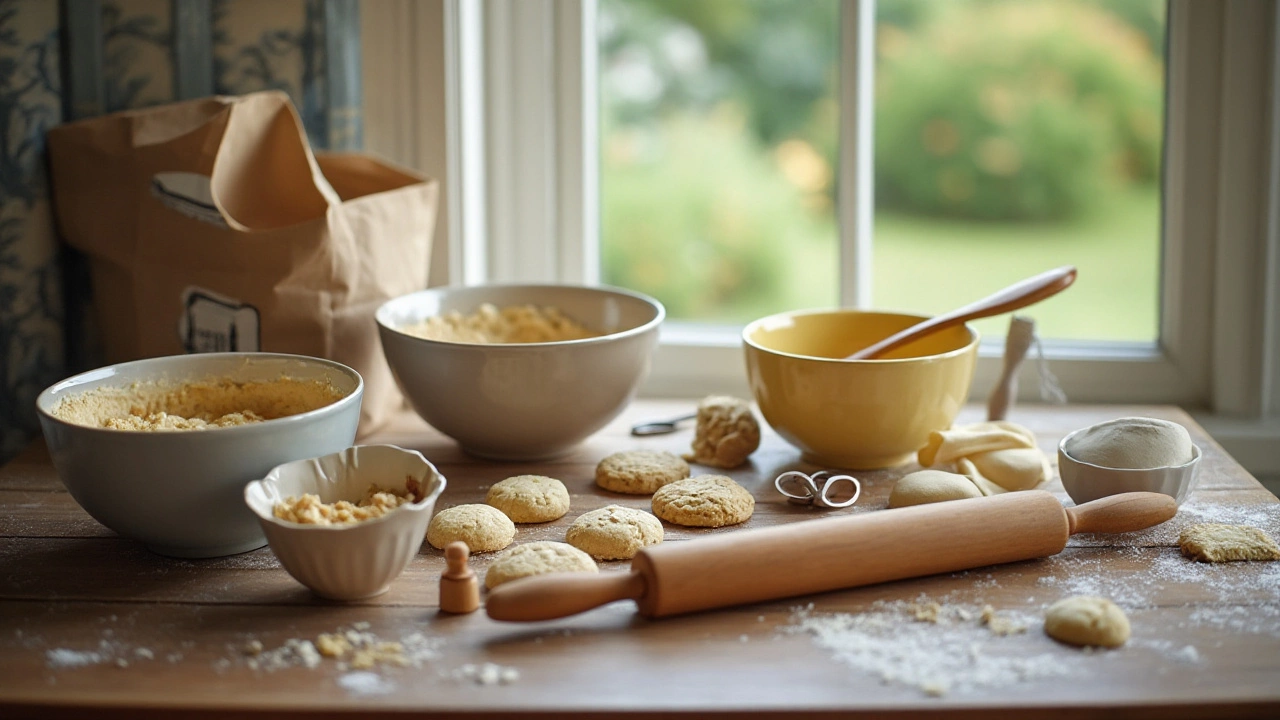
x=520 y=88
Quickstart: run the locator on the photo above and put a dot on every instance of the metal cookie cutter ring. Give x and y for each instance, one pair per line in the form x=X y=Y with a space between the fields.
x=803 y=489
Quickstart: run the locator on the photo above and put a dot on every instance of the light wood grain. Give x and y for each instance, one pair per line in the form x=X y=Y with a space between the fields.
x=68 y=584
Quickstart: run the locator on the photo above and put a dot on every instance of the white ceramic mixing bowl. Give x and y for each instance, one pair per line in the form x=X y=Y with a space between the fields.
x=523 y=401
x=181 y=492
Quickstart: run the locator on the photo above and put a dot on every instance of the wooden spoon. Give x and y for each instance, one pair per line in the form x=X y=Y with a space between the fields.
x=1019 y=295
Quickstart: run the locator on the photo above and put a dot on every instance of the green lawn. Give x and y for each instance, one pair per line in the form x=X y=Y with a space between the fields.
x=931 y=265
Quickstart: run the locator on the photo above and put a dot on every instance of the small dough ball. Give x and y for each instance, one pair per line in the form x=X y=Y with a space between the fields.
x=704 y=501
x=530 y=498
x=1087 y=620
x=537 y=558
x=1215 y=542
x=727 y=432
x=614 y=532
x=1133 y=443
x=931 y=486
x=640 y=472
x=481 y=527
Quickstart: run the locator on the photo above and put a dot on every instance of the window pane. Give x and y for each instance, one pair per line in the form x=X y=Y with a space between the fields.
x=718 y=153
x=1014 y=136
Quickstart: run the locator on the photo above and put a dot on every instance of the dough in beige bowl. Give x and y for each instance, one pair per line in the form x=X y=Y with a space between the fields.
x=614 y=532
x=537 y=558
x=640 y=472
x=482 y=527
x=930 y=486
x=530 y=498
x=1087 y=620
x=704 y=501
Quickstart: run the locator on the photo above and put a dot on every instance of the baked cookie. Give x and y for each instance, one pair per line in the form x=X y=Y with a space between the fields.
x=1212 y=542
x=481 y=527
x=704 y=501
x=1087 y=620
x=727 y=432
x=614 y=532
x=537 y=558
x=640 y=472
x=530 y=498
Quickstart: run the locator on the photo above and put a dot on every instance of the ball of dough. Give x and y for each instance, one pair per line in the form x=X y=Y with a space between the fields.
x=1132 y=443
x=704 y=501
x=1087 y=620
x=614 y=532
x=530 y=498
x=481 y=527
x=537 y=558
x=640 y=472
x=931 y=486
x=726 y=434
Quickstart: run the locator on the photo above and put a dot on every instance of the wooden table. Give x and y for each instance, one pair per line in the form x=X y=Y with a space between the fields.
x=94 y=624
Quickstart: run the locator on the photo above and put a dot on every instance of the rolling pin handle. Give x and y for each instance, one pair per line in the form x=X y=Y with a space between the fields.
x=557 y=595
x=1124 y=512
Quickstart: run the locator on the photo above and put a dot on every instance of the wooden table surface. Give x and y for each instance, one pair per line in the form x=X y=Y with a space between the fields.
x=94 y=624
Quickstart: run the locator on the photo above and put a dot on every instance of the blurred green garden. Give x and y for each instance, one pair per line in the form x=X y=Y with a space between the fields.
x=1011 y=136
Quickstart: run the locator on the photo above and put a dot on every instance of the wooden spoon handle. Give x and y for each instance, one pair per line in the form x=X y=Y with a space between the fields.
x=1019 y=295
x=1125 y=512
x=557 y=595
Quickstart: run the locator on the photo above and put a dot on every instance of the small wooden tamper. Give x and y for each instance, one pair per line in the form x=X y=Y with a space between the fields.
x=459 y=591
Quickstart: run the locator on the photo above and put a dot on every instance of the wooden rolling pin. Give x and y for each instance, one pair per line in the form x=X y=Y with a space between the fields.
x=814 y=556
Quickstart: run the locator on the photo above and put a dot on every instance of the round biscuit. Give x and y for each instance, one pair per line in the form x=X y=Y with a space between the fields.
x=640 y=472
x=614 y=532
x=481 y=527
x=537 y=558
x=530 y=498
x=704 y=501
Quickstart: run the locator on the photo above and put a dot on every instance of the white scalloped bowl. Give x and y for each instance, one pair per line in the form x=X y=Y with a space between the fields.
x=356 y=560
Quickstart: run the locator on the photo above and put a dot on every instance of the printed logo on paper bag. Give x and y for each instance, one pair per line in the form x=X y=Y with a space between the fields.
x=215 y=323
x=188 y=193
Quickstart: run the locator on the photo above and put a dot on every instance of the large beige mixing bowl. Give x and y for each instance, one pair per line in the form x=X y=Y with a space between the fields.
x=856 y=414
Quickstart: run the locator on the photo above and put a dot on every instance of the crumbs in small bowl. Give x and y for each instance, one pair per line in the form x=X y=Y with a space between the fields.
x=514 y=324
x=377 y=502
x=168 y=407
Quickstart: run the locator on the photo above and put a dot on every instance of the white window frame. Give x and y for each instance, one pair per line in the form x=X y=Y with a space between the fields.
x=522 y=187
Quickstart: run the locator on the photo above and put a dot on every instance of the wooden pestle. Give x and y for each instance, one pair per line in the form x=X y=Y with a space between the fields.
x=814 y=556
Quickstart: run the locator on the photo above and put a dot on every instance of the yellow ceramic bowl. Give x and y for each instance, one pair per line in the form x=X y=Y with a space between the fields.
x=856 y=414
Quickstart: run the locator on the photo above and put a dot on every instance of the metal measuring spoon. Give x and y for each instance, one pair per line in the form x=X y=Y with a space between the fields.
x=660 y=427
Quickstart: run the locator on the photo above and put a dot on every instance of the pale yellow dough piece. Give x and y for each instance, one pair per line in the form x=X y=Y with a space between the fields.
x=1213 y=542
x=640 y=472
x=614 y=532
x=727 y=432
x=931 y=486
x=537 y=558
x=530 y=498
x=1087 y=620
x=482 y=527
x=704 y=501
x=998 y=456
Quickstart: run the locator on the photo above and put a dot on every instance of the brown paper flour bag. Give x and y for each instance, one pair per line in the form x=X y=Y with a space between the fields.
x=210 y=226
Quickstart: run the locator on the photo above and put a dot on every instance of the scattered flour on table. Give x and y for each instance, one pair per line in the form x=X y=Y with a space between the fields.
x=353 y=648
x=364 y=682
x=936 y=648
x=486 y=674
x=109 y=651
